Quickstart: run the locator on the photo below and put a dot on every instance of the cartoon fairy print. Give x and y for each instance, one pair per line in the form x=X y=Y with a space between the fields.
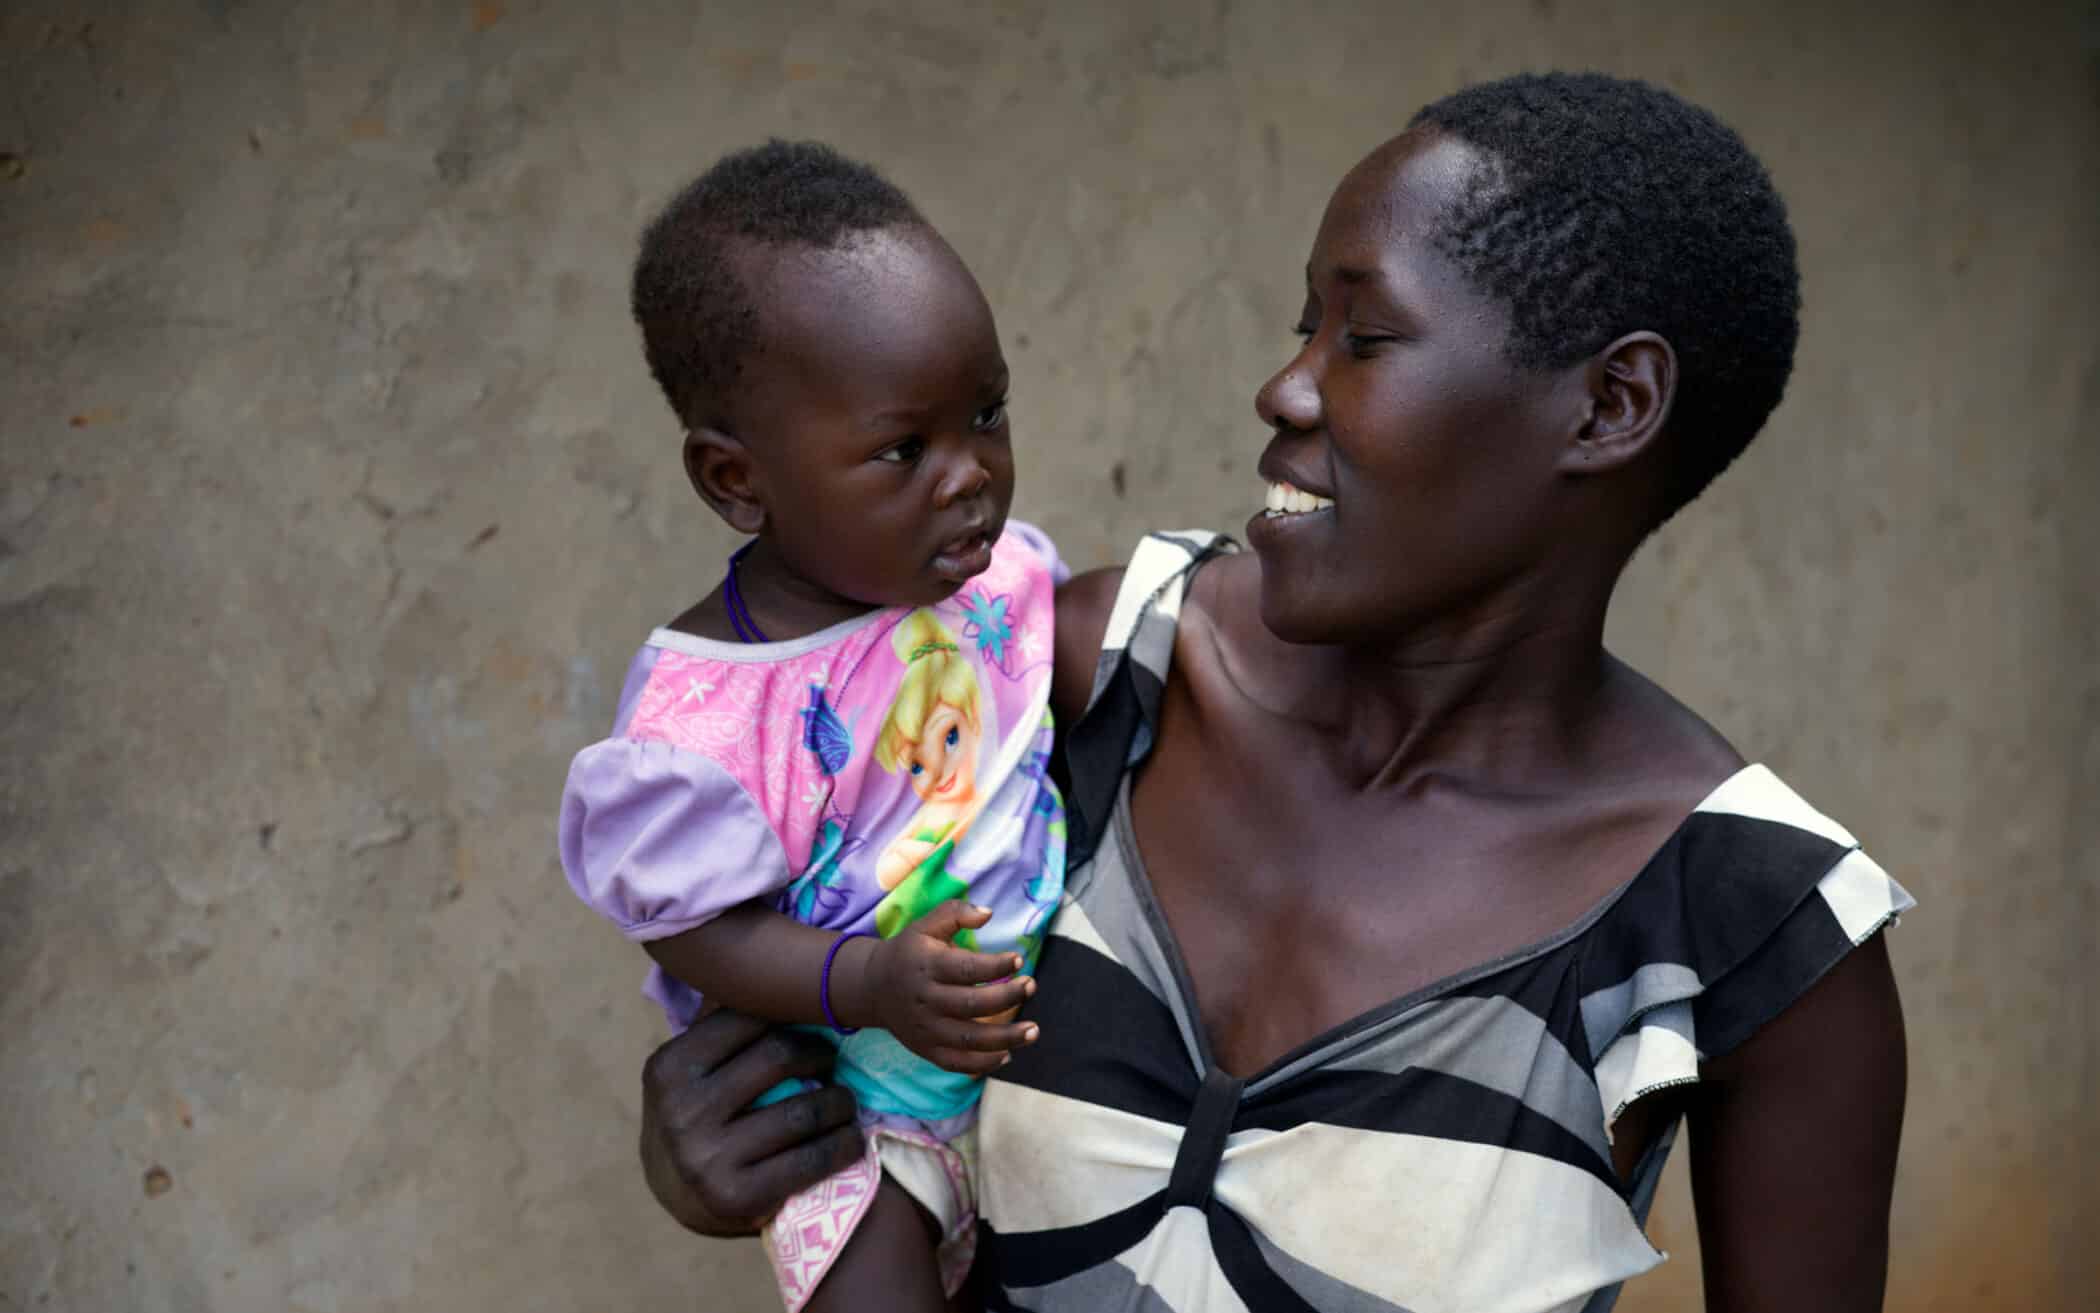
x=931 y=734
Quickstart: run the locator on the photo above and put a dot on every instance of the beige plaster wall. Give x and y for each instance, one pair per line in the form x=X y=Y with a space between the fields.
x=334 y=496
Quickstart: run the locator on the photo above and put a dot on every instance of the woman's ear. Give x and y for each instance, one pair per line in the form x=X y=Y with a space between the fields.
x=1631 y=385
x=725 y=476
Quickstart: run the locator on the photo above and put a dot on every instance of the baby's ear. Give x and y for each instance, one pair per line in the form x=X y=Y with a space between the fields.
x=726 y=478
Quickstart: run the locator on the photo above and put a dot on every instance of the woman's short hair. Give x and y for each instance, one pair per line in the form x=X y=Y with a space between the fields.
x=1606 y=206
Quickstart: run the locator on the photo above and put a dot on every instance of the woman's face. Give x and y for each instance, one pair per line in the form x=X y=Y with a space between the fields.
x=1428 y=459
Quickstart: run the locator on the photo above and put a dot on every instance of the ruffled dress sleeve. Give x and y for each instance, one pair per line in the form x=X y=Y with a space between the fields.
x=1753 y=901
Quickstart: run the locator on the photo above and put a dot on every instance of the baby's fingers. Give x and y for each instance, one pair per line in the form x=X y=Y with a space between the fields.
x=970 y=1002
x=983 y=1036
x=982 y=1048
x=941 y=923
x=967 y=1064
x=960 y=966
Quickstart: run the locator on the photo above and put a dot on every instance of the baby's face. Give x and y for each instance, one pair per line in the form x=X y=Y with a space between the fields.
x=875 y=410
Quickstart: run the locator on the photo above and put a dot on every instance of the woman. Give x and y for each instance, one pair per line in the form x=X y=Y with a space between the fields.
x=1404 y=923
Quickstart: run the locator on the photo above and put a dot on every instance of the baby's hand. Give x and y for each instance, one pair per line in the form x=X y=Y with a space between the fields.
x=930 y=994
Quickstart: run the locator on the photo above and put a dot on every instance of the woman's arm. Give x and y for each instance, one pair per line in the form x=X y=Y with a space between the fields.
x=1084 y=604
x=720 y=1167
x=1793 y=1142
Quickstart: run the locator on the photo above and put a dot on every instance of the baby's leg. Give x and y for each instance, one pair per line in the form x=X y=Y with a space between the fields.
x=888 y=1262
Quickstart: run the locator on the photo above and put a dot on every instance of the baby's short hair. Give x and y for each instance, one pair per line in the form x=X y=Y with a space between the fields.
x=698 y=320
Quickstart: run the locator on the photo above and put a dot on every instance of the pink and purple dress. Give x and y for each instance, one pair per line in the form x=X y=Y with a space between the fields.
x=853 y=779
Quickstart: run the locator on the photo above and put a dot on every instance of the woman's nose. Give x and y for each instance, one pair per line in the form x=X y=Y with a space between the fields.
x=1291 y=398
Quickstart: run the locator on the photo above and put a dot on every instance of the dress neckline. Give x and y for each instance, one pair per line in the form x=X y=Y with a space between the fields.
x=716 y=649
x=1313 y=1051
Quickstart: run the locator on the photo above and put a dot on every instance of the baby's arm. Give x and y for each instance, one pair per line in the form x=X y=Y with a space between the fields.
x=918 y=986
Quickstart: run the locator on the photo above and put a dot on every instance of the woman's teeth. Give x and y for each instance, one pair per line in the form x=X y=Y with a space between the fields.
x=1286 y=500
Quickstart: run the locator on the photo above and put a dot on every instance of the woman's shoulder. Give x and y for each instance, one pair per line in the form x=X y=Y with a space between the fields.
x=1084 y=604
x=1215 y=570
x=1753 y=899
x=1746 y=849
x=1660 y=748
x=1103 y=612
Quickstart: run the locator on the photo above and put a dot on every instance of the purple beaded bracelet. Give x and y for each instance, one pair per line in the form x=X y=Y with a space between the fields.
x=824 y=985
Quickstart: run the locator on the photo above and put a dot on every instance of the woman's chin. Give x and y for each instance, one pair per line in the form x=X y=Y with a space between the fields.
x=1284 y=613
x=1289 y=584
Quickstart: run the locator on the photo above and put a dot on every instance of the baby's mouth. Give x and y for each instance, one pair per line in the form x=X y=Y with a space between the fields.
x=964 y=557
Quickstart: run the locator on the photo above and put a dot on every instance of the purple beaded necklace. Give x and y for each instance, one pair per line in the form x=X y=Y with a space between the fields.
x=747 y=629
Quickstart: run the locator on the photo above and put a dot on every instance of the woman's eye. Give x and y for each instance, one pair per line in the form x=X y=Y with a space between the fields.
x=1362 y=344
x=905 y=452
x=1304 y=331
x=954 y=736
x=990 y=417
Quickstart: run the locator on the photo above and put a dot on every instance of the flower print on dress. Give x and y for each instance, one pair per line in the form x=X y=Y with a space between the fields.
x=1047 y=887
x=1035 y=765
x=817 y=794
x=819 y=893
x=985 y=620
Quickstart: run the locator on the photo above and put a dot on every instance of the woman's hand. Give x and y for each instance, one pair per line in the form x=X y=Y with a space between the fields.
x=933 y=996
x=715 y=1163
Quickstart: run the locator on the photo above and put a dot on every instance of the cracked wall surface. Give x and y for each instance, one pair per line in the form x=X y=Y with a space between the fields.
x=334 y=497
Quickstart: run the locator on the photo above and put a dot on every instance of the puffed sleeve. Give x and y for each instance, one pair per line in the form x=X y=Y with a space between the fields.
x=659 y=840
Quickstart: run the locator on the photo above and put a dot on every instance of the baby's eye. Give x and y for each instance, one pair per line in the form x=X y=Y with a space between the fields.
x=954 y=736
x=990 y=417
x=906 y=452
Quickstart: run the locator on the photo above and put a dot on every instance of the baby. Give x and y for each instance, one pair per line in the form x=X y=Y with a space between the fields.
x=814 y=766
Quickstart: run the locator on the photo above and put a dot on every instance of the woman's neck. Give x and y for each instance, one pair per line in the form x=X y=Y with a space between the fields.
x=1502 y=696
x=1499 y=700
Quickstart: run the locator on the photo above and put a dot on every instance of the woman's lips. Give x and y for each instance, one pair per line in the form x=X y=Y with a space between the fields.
x=1271 y=528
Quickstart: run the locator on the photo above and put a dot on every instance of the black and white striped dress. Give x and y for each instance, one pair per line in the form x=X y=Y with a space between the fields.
x=1445 y=1153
